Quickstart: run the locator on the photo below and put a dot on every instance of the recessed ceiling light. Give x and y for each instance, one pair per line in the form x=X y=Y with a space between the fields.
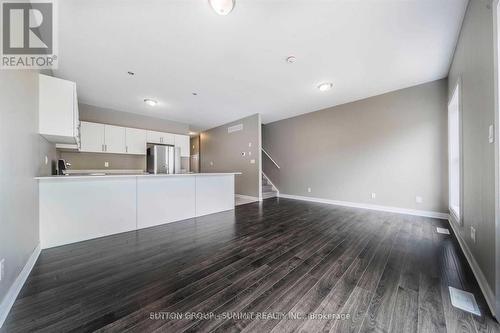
x=130 y=73
x=291 y=59
x=222 y=7
x=192 y=133
x=325 y=86
x=150 y=102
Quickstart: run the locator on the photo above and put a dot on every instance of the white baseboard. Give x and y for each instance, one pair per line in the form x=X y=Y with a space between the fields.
x=369 y=206
x=14 y=290
x=488 y=293
x=248 y=197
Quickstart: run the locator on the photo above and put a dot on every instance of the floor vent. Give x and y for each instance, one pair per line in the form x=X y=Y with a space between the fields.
x=443 y=231
x=464 y=300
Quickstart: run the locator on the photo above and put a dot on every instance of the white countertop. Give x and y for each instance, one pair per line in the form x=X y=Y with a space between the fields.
x=136 y=175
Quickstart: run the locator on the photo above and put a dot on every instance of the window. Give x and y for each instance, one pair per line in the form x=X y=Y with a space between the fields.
x=454 y=152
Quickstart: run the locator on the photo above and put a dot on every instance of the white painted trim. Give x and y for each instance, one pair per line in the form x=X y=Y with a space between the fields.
x=248 y=197
x=488 y=293
x=370 y=206
x=496 y=62
x=270 y=182
x=14 y=290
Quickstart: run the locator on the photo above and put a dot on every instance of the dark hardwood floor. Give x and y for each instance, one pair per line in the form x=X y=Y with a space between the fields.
x=388 y=272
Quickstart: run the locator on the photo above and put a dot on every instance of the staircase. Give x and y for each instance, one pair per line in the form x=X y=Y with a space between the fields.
x=268 y=190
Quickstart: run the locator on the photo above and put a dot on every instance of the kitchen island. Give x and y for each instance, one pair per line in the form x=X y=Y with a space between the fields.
x=77 y=208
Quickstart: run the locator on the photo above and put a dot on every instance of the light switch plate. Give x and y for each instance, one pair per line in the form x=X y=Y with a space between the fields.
x=374 y=195
x=106 y=164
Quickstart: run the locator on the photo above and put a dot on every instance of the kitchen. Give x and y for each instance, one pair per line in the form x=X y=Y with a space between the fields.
x=151 y=182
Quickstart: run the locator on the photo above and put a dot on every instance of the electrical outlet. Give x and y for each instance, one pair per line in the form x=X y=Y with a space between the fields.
x=249 y=144
x=249 y=153
x=106 y=164
x=419 y=199
x=2 y=269
x=374 y=195
x=211 y=163
x=309 y=190
x=252 y=161
x=473 y=234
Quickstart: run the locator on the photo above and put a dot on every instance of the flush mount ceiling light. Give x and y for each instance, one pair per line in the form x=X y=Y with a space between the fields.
x=222 y=7
x=291 y=59
x=150 y=102
x=325 y=86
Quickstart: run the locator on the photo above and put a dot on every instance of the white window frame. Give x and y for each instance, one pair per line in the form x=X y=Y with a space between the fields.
x=456 y=216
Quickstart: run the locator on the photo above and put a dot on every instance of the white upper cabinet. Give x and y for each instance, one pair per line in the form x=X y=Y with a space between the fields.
x=154 y=137
x=161 y=138
x=58 y=110
x=168 y=139
x=114 y=139
x=136 y=141
x=92 y=137
x=101 y=138
x=182 y=141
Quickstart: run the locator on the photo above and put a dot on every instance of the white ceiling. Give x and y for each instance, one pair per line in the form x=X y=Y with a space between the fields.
x=236 y=63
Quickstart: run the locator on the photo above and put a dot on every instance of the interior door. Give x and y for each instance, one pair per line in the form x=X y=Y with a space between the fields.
x=114 y=139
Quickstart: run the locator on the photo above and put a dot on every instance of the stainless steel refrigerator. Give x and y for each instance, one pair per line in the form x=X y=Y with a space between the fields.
x=160 y=159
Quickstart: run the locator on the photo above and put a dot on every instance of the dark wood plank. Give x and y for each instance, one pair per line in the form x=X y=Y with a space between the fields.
x=389 y=272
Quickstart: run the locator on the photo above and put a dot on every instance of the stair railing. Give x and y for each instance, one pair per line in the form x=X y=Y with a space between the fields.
x=272 y=160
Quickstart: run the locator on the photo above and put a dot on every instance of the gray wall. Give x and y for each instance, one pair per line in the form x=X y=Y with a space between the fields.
x=224 y=150
x=394 y=145
x=113 y=117
x=22 y=157
x=473 y=64
x=95 y=161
